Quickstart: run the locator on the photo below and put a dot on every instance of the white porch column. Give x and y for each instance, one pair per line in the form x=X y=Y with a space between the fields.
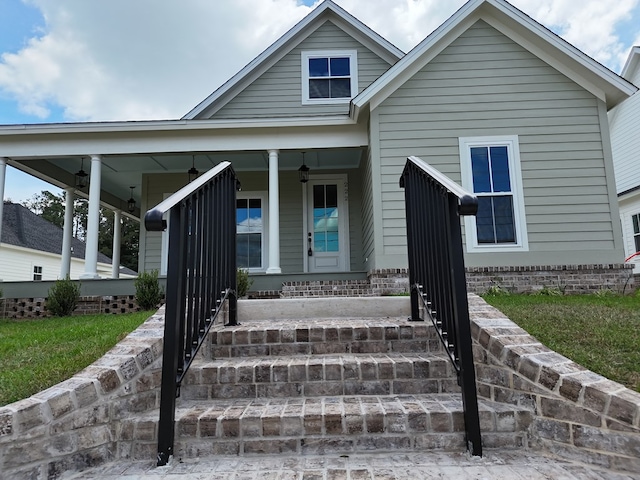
x=274 y=214
x=3 y=171
x=115 y=258
x=67 y=234
x=93 y=221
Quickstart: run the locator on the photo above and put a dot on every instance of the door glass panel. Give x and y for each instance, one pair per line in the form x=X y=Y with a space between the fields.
x=325 y=218
x=249 y=233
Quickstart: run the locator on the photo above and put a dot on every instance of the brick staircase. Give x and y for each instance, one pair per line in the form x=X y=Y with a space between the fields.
x=319 y=376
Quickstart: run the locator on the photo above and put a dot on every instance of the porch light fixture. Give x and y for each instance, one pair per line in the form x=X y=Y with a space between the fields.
x=193 y=173
x=303 y=171
x=131 y=204
x=81 y=176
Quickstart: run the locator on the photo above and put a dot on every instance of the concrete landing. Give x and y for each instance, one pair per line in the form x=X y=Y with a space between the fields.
x=495 y=465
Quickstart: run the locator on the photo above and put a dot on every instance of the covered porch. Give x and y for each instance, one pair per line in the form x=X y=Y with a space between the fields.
x=286 y=228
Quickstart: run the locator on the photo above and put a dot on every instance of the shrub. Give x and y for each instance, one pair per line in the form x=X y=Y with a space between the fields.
x=63 y=297
x=243 y=282
x=148 y=290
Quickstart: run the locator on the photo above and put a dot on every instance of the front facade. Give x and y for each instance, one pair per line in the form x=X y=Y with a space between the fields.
x=625 y=138
x=491 y=99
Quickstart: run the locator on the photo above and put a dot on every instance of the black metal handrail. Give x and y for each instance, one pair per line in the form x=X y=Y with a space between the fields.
x=201 y=277
x=434 y=204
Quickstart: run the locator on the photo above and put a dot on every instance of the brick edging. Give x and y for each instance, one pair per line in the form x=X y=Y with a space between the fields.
x=78 y=423
x=579 y=414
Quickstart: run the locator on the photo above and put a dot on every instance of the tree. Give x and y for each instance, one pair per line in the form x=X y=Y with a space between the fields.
x=51 y=207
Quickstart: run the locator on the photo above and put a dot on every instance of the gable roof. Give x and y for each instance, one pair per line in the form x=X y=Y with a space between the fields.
x=519 y=27
x=327 y=10
x=23 y=228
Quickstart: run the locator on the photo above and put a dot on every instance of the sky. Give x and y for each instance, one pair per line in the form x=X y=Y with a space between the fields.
x=99 y=60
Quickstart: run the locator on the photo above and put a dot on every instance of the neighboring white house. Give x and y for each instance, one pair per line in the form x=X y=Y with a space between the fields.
x=491 y=98
x=30 y=249
x=625 y=142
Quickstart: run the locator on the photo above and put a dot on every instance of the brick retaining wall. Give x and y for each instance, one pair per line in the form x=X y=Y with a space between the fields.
x=19 y=308
x=580 y=415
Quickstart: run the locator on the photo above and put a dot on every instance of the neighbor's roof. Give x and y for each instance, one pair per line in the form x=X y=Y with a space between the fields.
x=519 y=27
x=23 y=228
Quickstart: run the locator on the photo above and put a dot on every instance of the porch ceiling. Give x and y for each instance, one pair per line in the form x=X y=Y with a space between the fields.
x=120 y=172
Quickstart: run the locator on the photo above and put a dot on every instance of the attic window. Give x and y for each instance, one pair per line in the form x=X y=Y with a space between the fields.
x=329 y=76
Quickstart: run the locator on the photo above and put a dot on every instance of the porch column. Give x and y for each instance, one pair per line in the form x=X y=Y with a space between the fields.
x=67 y=234
x=3 y=171
x=93 y=221
x=115 y=258
x=274 y=214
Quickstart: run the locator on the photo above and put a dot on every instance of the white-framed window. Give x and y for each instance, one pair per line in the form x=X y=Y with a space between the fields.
x=635 y=220
x=251 y=230
x=37 y=272
x=329 y=76
x=491 y=170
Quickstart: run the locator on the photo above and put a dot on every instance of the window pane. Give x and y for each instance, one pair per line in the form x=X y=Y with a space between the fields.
x=637 y=242
x=484 y=221
x=340 y=87
x=500 y=169
x=318 y=67
x=480 y=169
x=636 y=223
x=340 y=67
x=332 y=196
x=319 y=88
x=319 y=242
x=503 y=215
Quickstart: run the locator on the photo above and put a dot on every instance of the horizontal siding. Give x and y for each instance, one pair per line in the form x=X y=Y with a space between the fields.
x=278 y=92
x=484 y=84
x=368 y=233
x=625 y=143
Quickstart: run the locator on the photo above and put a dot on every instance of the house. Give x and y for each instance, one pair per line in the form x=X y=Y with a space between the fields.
x=625 y=140
x=30 y=249
x=491 y=98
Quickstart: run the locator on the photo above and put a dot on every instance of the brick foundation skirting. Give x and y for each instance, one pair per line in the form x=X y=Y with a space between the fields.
x=569 y=279
x=617 y=277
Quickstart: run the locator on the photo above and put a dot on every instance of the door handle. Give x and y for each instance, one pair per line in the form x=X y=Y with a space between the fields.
x=309 y=251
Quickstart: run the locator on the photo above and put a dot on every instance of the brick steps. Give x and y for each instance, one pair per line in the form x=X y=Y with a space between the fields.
x=322 y=336
x=317 y=375
x=330 y=424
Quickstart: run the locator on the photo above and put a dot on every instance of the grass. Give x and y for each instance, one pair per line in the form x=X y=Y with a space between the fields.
x=37 y=354
x=600 y=332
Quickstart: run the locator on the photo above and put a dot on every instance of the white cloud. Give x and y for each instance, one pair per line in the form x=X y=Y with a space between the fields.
x=123 y=59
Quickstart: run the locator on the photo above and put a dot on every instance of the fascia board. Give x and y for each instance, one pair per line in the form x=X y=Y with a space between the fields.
x=288 y=42
x=521 y=28
x=564 y=57
x=167 y=125
x=413 y=61
x=633 y=60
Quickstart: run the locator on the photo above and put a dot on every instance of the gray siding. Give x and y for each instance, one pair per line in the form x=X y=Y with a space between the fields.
x=278 y=92
x=484 y=84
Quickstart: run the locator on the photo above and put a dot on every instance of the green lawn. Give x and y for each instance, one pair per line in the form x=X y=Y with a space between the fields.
x=37 y=354
x=600 y=332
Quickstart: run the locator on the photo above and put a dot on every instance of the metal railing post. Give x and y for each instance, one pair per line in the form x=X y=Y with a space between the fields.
x=434 y=204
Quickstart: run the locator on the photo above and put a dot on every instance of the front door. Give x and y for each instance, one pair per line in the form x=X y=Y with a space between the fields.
x=328 y=225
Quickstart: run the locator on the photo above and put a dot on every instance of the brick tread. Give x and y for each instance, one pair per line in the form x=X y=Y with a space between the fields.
x=323 y=336
x=316 y=375
x=331 y=423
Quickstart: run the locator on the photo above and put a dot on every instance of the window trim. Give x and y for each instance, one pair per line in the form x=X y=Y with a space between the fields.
x=37 y=272
x=353 y=70
x=264 y=202
x=635 y=234
x=515 y=177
